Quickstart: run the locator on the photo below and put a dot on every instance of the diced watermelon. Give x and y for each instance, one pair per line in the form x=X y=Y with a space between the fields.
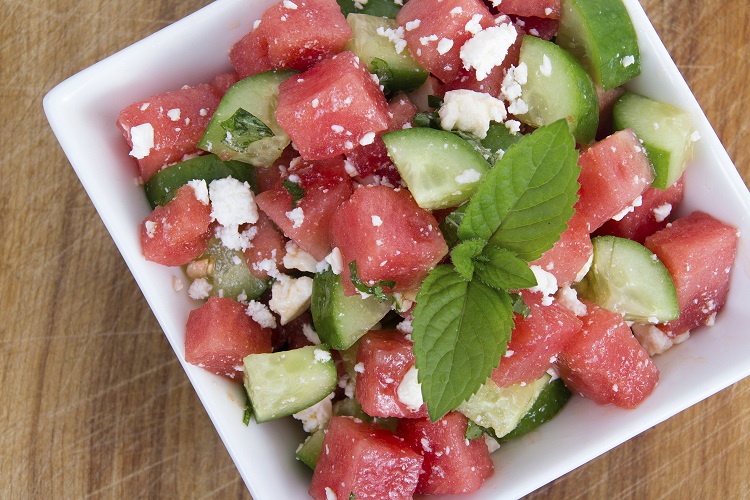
x=223 y=81
x=540 y=27
x=365 y=461
x=267 y=177
x=292 y=335
x=249 y=56
x=535 y=341
x=438 y=20
x=332 y=108
x=176 y=233
x=648 y=218
x=699 y=251
x=570 y=253
x=175 y=120
x=385 y=357
x=605 y=362
x=326 y=185
x=614 y=173
x=219 y=334
x=452 y=464
x=531 y=8
x=267 y=250
x=388 y=235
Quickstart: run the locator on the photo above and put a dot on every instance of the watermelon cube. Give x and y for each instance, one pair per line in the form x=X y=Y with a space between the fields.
x=389 y=237
x=164 y=128
x=452 y=464
x=535 y=341
x=178 y=232
x=362 y=461
x=332 y=108
x=531 y=8
x=268 y=246
x=605 y=362
x=249 y=56
x=384 y=357
x=698 y=251
x=614 y=173
x=570 y=254
x=219 y=335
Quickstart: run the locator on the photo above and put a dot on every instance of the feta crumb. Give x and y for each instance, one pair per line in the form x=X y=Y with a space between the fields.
x=232 y=202
x=470 y=111
x=412 y=25
x=546 y=66
x=627 y=61
x=585 y=269
x=296 y=258
x=318 y=415
x=297 y=216
x=662 y=212
x=444 y=45
x=310 y=334
x=289 y=4
x=359 y=367
x=455 y=11
x=367 y=139
x=335 y=260
x=424 y=40
x=145 y=106
x=150 y=228
x=546 y=283
x=492 y=444
x=468 y=176
x=200 y=188
x=376 y=221
x=330 y=494
x=290 y=297
x=177 y=284
x=474 y=25
x=513 y=126
x=395 y=36
x=321 y=356
x=199 y=289
x=695 y=136
x=174 y=114
x=337 y=128
x=410 y=390
x=260 y=313
x=142 y=137
x=568 y=297
x=630 y=208
x=487 y=49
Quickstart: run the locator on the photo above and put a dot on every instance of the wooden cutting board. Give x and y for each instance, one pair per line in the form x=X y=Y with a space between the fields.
x=94 y=403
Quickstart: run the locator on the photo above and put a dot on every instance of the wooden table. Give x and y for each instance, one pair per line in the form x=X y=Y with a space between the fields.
x=94 y=403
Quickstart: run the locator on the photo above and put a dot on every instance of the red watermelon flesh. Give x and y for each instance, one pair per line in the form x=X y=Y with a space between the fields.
x=440 y=19
x=385 y=357
x=219 y=335
x=178 y=232
x=388 y=235
x=614 y=172
x=531 y=8
x=648 y=218
x=540 y=27
x=699 y=251
x=452 y=464
x=332 y=108
x=570 y=253
x=605 y=362
x=249 y=56
x=223 y=81
x=535 y=341
x=366 y=461
x=326 y=185
x=176 y=120
x=606 y=100
x=267 y=245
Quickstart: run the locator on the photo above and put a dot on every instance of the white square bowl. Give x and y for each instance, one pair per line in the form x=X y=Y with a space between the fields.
x=82 y=112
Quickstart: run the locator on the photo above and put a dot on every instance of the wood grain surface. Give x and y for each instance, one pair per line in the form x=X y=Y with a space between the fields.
x=94 y=402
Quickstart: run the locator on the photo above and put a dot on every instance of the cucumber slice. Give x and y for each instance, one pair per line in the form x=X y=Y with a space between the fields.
x=228 y=273
x=502 y=408
x=600 y=34
x=550 y=401
x=626 y=277
x=257 y=95
x=341 y=320
x=161 y=188
x=665 y=131
x=282 y=383
x=380 y=8
x=558 y=87
x=441 y=169
x=396 y=71
x=309 y=451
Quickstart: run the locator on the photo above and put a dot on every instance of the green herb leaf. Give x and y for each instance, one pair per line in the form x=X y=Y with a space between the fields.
x=491 y=156
x=450 y=224
x=463 y=256
x=503 y=269
x=382 y=70
x=519 y=306
x=460 y=332
x=525 y=201
x=294 y=189
x=376 y=290
x=427 y=119
x=248 y=413
x=434 y=101
x=473 y=431
x=244 y=128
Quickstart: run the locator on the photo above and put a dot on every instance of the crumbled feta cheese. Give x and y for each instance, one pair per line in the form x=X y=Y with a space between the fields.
x=290 y=297
x=321 y=356
x=177 y=284
x=695 y=136
x=201 y=190
x=150 y=228
x=513 y=126
x=627 y=61
x=585 y=269
x=492 y=444
x=296 y=258
x=662 y=212
x=310 y=334
x=546 y=283
x=335 y=260
x=402 y=301
x=232 y=202
x=474 y=25
x=468 y=176
x=376 y=221
x=297 y=216
x=487 y=49
x=199 y=289
x=470 y=111
x=396 y=37
x=330 y=494
x=317 y=416
x=424 y=40
x=174 y=114
x=142 y=137
x=444 y=45
x=289 y=4
x=359 y=367
x=367 y=139
x=409 y=391
x=145 y=106
x=546 y=66
x=337 y=128
x=260 y=313
x=568 y=297
x=652 y=338
x=630 y=208
x=412 y=25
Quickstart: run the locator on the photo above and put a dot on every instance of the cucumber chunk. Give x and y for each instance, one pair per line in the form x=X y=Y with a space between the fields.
x=550 y=401
x=395 y=71
x=309 y=451
x=558 y=87
x=500 y=409
x=228 y=274
x=626 y=277
x=441 y=169
x=341 y=320
x=665 y=131
x=161 y=188
x=282 y=383
x=600 y=34
x=380 y=8
x=251 y=102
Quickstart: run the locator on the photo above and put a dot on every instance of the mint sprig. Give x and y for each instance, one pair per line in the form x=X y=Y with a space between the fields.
x=295 y=190
x=464 y=312
x=376 y=290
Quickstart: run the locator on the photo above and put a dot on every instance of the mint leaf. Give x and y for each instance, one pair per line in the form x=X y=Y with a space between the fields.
x=463 y=256
x=434 y=101
x=382 y=70
x=473 y=431
x=375 y=290
x=502 y=269
x=460 y=332
x=519 y=306
x=525 y=201
x=243 y=128
x=294 y=189
x=450 y=224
